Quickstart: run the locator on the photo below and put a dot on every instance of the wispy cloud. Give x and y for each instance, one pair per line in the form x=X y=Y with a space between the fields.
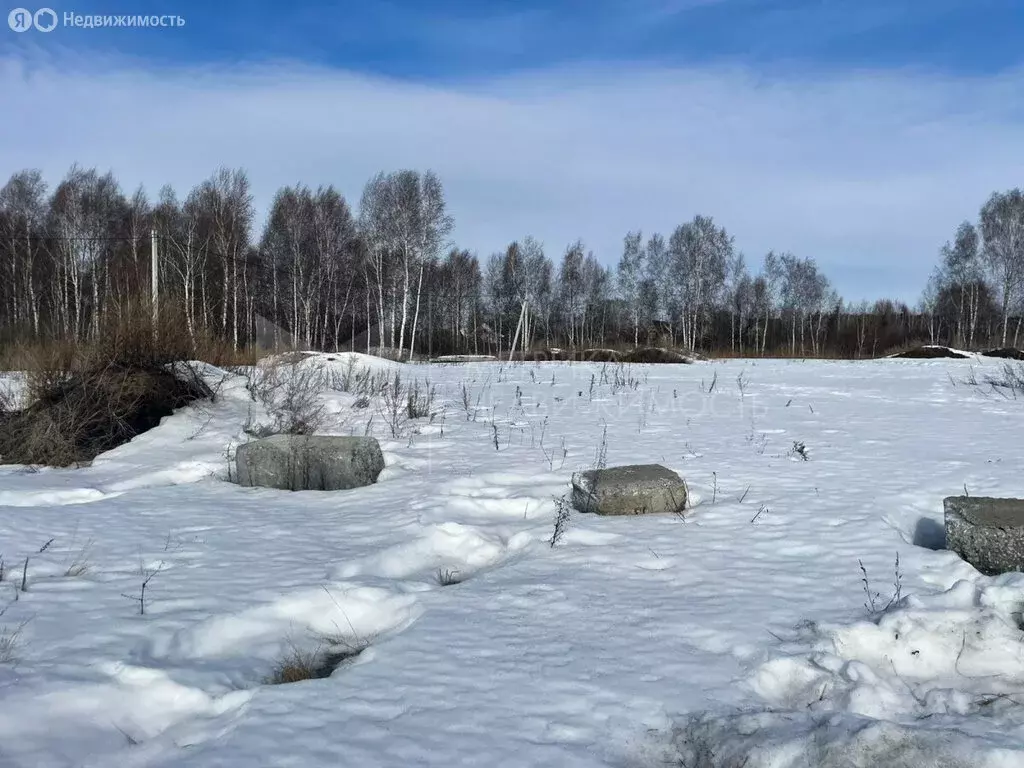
x=868 y=173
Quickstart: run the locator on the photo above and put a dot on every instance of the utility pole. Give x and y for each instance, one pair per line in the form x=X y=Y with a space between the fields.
x=155 y=275
x=519 y=328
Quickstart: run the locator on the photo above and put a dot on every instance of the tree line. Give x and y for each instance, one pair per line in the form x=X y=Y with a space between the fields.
x=389 y=274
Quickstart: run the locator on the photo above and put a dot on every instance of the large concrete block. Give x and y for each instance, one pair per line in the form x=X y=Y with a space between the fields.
x=988 y=533
x=309 y=462
x=637 y=489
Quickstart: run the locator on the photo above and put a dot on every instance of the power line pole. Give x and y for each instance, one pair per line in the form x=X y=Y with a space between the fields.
x=155 y=275
x=519 y=327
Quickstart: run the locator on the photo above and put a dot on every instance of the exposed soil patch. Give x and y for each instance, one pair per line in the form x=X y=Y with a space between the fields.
x=1006 y=353
x=929 y=353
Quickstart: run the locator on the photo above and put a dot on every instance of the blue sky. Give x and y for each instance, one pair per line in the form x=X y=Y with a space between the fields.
x=856 y=132
x=473 y=38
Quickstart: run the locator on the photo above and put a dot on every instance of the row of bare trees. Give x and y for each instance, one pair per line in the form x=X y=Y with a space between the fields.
x=322 y=276
x=981 y=275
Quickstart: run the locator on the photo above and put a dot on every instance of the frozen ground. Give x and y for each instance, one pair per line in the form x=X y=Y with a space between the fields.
x=735 y=637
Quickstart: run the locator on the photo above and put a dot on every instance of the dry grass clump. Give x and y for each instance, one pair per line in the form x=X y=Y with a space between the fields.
x=298 y=664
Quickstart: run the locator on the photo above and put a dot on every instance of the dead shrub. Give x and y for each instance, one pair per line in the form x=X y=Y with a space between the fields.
x=876 y=604
x=87 y=398
x=7 y=405
x=301 y=410
x=1009 y=381
x=420 y=403
x=346 y=379
x=563 y=514
x=394 y=405
x=292 y=395
x=263 y=382
x=76 y=415
x=357 y=379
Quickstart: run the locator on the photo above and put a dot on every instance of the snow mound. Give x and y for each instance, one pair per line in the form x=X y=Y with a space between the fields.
x=953 y=661
x=51 y=497
x=356 y=360
x=802 y=740
x=134 y=705
x=359 y=615
x=460 y=550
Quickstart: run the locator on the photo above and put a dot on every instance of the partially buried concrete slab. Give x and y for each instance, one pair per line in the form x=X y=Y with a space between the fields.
x=986 y=532
x=309 y=463
x=636 y=489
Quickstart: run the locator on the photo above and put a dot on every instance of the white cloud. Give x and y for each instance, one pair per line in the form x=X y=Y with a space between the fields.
x=868 y=173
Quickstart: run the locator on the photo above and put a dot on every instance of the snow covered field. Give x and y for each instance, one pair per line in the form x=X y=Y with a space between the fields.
x=737 y=636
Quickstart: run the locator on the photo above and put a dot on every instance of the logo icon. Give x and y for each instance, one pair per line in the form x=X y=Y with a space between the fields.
x=45 y=19
x=20 y=19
